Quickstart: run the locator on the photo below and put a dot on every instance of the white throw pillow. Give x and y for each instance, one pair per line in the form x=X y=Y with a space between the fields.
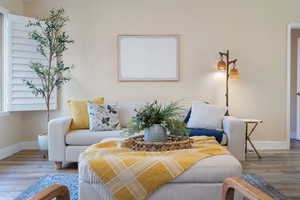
x=206 y=116
x=103 y=117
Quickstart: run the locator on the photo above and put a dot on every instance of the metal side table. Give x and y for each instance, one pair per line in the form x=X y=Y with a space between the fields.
x=249 y=131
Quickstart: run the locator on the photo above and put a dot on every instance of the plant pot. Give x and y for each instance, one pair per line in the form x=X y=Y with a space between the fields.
x=43 y=144
x=155 y=133
x=43 y=141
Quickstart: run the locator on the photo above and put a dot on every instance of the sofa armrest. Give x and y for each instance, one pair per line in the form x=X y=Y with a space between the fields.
x=235 y=130
x=57 y=129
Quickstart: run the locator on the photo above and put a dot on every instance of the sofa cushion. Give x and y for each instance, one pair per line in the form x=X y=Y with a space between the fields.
x=103 y=117
x=79 y=113
x=206 y=116
x=210 y=170
x=86 y=137
x=127 y=111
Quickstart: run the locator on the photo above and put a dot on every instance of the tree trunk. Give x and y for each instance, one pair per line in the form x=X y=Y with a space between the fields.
x=48 y=114
x=48 y=108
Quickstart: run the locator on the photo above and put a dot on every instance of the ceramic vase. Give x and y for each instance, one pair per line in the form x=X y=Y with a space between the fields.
x=156 y=133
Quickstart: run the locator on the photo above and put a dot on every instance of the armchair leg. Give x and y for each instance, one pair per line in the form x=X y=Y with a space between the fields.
x=59 y=191
x=247 y=190
x=58 y=165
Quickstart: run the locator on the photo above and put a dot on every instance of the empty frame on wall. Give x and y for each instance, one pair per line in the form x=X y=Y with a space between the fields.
x=148 y=57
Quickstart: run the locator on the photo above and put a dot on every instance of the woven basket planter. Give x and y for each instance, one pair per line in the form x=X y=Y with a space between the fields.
x=137 y=143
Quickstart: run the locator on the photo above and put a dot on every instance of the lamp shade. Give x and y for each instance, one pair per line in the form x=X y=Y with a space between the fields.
x=221 y=66
x=234 y=73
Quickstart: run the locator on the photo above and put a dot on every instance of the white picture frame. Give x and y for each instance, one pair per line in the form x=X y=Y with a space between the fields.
x=148 y=57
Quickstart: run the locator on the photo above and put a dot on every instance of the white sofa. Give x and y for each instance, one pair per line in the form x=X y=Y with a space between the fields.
x=66 y=145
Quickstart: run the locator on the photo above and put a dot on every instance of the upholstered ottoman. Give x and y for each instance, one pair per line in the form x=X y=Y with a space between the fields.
x=203 y=181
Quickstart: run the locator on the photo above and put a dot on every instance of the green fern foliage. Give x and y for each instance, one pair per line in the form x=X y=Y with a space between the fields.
x=155 y=113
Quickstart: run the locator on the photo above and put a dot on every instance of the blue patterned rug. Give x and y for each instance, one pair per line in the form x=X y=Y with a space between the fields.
x=71 y=181
x=264 y=186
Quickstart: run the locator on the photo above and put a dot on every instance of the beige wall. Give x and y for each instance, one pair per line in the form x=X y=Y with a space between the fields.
x=11 y=126
x=255 y=32
x=13 y=6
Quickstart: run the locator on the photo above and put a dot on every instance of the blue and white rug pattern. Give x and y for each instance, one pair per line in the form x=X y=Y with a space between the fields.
x=72 y=182
x=69 y=180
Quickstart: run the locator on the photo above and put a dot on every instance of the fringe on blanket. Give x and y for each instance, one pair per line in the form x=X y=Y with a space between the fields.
x=102 y=191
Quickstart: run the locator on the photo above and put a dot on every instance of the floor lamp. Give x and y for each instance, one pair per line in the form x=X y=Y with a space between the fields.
x=228 y=66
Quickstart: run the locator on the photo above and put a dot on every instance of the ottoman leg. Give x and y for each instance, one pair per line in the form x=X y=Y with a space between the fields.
x=58 y=164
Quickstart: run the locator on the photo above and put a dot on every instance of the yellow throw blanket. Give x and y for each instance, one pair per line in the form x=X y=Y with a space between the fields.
x=131 y=175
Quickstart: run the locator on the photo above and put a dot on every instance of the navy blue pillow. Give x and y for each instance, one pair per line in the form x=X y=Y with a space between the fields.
x=188 y=116
x=218 y=134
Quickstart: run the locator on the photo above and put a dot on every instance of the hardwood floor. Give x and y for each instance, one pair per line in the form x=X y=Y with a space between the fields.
x=24 y=169
x=279 y=168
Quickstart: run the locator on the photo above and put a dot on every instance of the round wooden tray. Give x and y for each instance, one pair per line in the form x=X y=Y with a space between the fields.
x=174 y=143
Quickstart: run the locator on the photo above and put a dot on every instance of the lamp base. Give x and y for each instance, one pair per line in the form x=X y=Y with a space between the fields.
x=227 y=113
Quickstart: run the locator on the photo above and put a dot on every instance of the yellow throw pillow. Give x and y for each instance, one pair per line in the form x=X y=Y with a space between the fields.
x=79 y=113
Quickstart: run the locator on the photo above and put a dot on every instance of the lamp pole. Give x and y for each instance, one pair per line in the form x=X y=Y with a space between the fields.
x=227 y=80
x=228 y=63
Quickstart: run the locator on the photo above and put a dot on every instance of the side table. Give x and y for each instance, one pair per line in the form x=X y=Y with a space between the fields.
x=249 y=131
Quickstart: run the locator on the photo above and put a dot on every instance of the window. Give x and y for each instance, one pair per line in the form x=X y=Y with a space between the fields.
x=2 y=83
x=17 y=52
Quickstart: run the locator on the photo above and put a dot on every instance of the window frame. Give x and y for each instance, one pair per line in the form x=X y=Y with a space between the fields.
x=4 y=63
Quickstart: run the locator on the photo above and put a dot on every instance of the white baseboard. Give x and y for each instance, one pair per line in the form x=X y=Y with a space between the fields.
x=270 y=145
x=30 y=145
x=10 y=150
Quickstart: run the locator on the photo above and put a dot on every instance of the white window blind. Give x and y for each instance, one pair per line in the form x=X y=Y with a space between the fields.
x=21 y=53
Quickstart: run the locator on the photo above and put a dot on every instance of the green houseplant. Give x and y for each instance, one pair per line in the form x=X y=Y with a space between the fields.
x=155 y=120
x=52 y=42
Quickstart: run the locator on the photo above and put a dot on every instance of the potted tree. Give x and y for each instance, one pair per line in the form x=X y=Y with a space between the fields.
x=155 y=120
x=52 y=42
